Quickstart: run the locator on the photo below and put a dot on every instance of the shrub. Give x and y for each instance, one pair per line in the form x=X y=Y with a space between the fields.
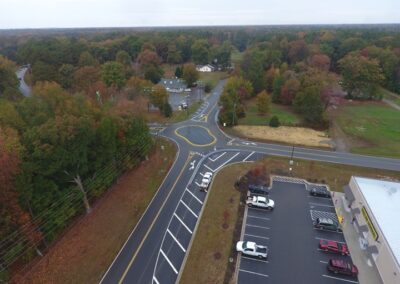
x=274 y=122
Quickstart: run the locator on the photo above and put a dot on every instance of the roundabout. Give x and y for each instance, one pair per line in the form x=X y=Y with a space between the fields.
x=195 y=135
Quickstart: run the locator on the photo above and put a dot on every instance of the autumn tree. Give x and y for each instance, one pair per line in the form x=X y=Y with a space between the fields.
x=320 y=61
x=190 y=74
x=8 y=80
x=159 y=96
x=361 y=76
x=87 y=59
x=263 y=102
x=298 y=51
x=308 y=102
x=200 y=51
x=148 y=57
x=124 y=58
x=85 y=77
x=113 y=74
x=235 y=91
x=66 y=75
x=174 y=55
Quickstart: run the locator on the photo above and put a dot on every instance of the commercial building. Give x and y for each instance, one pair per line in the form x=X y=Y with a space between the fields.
x=375 y=210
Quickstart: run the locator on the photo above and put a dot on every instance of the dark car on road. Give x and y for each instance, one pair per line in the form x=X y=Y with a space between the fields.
x=338 y=266
x=258 y=189
x=334 y=247
x=320 y=192
x=327 y=224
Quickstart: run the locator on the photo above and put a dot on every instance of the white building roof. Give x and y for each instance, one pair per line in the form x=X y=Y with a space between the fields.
x=383 y=198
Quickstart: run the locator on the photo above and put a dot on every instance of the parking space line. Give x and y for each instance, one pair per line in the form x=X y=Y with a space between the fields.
x=254 y=236
x=155 y=280
x=188 y=208
x=337 y=278
x=328 y=231
x=263 y=218
x=197 y=183
x=325 y=262
x=251 y=272
x=209 y=168
x=328 y=240
x=245 y=159
x=180 y=220
x=319 y=204
x=213 y=160
x=169 y=262
x=227 y=161
x=195 y=197
x=255 y=259
x=249 y=225
x=258 y=209
x=176 y=240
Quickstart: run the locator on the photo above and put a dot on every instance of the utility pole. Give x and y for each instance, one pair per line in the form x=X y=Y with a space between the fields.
x=233 y=114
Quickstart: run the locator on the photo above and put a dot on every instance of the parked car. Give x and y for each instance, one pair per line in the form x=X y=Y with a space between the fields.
x=338 y=266
x=205 y=182
x=320 y=192
x=252 y=249
x=261 y=202
x=258 y=189
x=334 y=247
x=327 y=224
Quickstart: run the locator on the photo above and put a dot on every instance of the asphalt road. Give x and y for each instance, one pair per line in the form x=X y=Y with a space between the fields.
x=157 y=246
x=23 y=87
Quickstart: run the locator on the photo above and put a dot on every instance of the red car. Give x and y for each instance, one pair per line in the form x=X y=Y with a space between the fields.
x=338 y=266
x=335 y=247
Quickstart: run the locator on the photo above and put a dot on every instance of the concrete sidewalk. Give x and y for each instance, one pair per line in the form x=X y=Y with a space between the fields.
x=368 y=273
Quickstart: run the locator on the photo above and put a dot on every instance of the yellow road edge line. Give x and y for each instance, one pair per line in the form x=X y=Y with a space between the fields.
x=194 y=144
x=154 y=220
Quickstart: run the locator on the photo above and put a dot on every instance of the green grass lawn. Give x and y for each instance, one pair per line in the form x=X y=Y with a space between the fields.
x=390 y=96
x=212 y=77
x=285 y=115
x=236 y=56
x=375 y=125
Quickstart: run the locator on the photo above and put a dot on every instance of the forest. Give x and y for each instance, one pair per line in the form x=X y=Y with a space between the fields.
x=85 y=123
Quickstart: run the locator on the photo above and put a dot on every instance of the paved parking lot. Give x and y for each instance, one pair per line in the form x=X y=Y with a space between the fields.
x=288 y=232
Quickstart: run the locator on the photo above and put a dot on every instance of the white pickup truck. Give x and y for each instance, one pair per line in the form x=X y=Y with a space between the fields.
x=261 y=202
x=205 y=182
x=252 y=249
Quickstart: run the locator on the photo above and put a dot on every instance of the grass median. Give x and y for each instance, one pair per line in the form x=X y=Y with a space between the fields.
x=213 y=244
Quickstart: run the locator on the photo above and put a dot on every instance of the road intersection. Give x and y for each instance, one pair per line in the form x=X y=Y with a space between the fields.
x=157 y=247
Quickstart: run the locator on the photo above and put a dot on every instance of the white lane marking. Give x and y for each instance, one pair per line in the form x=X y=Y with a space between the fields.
x=201 y=174
x=249 y=225
x=251 y=272
x=194 y=196
x=176 y=240
x=155 y=280
x=325 y=262
x=329 y=240
x=264 y=218
x=180 y=220
x=213 y=160
x=319 y=204
x=188 y=208
x=245 y=159
x=197 y=184
x=337 y=278
x=170 y=263
x=255 y=259
x=209 y=168
x=227 y=161
x=254 y=236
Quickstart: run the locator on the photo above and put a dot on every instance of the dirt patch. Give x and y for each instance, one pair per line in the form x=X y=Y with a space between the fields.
x=85 y=252
x=285 y=134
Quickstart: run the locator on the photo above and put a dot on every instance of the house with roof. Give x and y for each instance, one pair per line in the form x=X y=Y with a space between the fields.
x=205 y=68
